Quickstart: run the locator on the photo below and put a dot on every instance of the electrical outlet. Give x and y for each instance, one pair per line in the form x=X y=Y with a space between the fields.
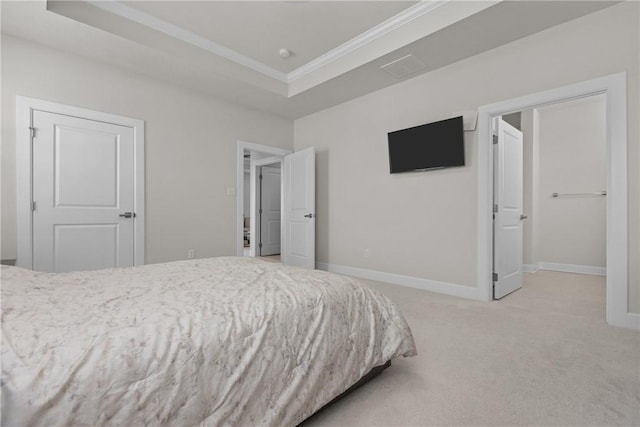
x=367 y=253
x=191 y=253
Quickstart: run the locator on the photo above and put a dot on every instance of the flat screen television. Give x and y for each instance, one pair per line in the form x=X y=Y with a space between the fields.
x=431 y=146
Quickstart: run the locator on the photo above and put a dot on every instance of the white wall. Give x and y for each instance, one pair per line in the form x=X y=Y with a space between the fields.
x=424 y=224
x=572 y=159
x=190 y=144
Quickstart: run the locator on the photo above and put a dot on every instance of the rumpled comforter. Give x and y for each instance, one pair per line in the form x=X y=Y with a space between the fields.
x=220 y=341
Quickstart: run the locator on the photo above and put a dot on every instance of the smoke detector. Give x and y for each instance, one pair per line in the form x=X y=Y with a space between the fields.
x=284 y=53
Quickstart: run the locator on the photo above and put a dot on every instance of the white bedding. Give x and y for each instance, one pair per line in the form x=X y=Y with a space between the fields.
x=220 y=341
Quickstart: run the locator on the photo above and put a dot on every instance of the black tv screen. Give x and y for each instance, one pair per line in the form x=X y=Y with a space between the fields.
x=431 y=146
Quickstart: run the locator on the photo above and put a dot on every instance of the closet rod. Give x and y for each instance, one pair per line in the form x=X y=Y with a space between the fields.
x=597 y=193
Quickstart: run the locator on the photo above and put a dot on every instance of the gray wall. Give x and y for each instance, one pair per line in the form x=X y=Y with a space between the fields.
x=190 y=144
x=424 y=224
x=514 y=119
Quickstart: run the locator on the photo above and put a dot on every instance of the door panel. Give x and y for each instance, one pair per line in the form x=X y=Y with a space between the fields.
x=299 y=185
x=82 y=181
x=98 y=168
x=508 y=197
x=297 y=229
x=96 y=245
x=299 y=209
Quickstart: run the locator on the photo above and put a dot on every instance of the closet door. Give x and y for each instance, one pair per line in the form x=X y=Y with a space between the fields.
x=83 y=192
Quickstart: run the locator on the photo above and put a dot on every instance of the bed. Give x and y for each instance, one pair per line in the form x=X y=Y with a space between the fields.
x=219 y=341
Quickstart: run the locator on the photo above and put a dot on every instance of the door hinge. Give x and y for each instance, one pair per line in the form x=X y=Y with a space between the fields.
x=495 y=139
x=33 y=206
x=495 y=277
x=260 y=177
x=260 y=245
x=495 y=208
x=260 y=211
x=32 y=132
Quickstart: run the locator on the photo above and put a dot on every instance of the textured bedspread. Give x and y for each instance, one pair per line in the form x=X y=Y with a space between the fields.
x=221 y=341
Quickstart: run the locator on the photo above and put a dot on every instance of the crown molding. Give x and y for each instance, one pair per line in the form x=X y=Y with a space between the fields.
x=416 y=11
x=186 y=36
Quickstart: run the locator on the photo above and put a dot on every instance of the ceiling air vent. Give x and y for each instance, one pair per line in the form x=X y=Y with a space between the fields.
x=403 y=67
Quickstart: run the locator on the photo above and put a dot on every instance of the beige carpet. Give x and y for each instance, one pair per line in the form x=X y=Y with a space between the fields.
x=542 y=356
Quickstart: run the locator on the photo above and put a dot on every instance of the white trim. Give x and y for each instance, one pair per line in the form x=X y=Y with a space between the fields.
x=402 y=280
x=530 y=268
x=241 y=147
x=139 y=240
x=573 y=268
x=416 y=11
x=24 y=119
x=24 y=189
x=268 y=161
x=630 y=320
x=186 y=36
x=615 y=87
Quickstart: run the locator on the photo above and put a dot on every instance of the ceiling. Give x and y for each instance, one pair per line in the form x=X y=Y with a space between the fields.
x=259 y=29
x=230 y=49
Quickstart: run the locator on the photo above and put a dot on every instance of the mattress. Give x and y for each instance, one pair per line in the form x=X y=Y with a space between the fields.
x=220 y=341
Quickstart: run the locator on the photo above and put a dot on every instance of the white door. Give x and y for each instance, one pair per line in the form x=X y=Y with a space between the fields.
x=83 y=190
x=508 y=200
x=299 y=215
x=269 y=211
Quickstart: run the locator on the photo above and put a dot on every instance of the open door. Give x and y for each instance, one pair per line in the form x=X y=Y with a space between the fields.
x=507 y=208
x=299 y=203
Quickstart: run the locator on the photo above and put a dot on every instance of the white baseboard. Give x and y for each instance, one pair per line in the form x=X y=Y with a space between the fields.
x=630 y=321
x=573 y=268
x=530 y=268
x=409 y=281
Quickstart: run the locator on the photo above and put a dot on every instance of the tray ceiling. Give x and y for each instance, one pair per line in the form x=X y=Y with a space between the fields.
x=230 y=49
x=259 y=29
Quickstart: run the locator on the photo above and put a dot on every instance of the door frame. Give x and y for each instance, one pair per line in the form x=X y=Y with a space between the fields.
x=615 y=88
x=25 y=107
x=274 y=153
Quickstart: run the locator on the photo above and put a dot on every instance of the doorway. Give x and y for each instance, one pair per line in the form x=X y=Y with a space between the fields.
x=615 y=89
x=266 y=207
x=550 y=185
x=251 y=159
x=297 y=201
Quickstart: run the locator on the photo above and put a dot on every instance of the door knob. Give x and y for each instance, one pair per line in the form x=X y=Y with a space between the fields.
x=308 y=216
x=127 y=215
x=523 y=217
